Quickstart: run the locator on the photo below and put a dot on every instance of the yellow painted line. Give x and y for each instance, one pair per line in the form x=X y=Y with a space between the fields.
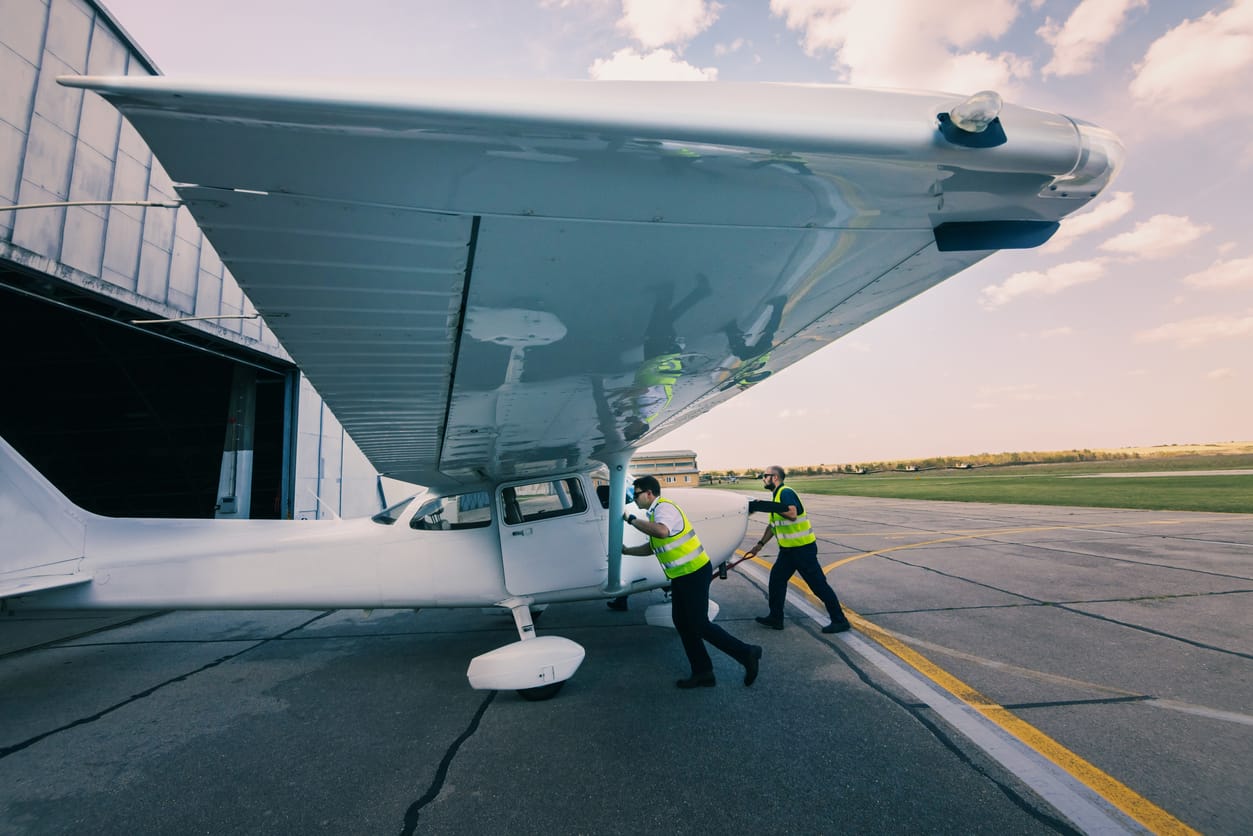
x=990 y=532
x=1111 y=789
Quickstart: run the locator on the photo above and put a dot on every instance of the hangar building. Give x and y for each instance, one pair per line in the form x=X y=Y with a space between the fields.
x=200 y=413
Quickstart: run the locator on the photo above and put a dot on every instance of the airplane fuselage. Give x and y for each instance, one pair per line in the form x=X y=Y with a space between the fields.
x=367 y=562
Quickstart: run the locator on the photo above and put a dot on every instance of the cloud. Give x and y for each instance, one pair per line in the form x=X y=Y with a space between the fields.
x=658 y=65
x=1198 y=72
x=655 y=23
x=909 y=43
x=1220 y=374
x=1159 y=236
x=1106 y=212
x=1189 y=333
x=1063 y=331
x=1238 y=272
x=1090 y=26
x=1047 y=282
x=1019 y=392
x=569 y=4
x=726 y=49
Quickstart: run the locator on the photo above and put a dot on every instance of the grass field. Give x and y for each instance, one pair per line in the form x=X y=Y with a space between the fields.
x=1048 y=484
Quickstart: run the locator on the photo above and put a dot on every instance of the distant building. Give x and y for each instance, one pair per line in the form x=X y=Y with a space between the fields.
x=673 y=468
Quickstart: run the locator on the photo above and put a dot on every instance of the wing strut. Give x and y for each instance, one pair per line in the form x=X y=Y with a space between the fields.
x=617 y=465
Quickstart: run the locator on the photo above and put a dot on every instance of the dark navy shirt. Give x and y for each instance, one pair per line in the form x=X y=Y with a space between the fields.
x=789 y=497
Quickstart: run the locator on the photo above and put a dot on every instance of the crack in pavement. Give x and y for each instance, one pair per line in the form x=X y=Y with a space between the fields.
x=17 y=747
x=437 y=783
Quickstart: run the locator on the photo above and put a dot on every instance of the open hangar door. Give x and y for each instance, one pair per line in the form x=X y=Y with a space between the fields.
x=131 y=422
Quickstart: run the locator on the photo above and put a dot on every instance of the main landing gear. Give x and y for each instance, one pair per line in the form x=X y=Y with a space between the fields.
x=541 y=692
x=535 y=666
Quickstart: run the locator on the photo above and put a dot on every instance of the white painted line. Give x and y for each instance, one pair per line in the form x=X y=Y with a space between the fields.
x=1085 y=809
x=1202 y=711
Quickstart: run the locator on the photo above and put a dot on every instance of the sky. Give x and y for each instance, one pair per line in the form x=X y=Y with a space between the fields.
x=1132 y=327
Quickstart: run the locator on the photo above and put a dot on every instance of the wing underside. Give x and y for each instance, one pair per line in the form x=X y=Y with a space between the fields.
x=481 y=289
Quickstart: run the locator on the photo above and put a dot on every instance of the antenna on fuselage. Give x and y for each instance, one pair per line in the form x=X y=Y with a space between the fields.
x=322 y=504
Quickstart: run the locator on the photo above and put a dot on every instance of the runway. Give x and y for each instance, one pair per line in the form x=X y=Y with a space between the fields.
x=1148 y=474
x=1118 y=642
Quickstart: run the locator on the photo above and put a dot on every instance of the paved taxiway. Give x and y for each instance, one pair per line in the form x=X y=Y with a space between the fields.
x=1120 y=642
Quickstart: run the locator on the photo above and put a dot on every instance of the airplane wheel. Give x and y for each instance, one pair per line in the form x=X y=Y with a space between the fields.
x=543 y=692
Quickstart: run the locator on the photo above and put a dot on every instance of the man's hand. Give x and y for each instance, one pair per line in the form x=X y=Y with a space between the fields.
x=756 y=547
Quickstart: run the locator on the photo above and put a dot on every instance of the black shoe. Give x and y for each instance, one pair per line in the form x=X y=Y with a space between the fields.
x=751 y=664
x=837 y=626
x=698 y=680
x=767 y=621
x=618 y=604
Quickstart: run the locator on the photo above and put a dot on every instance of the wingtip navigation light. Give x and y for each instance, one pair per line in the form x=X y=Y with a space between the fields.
x=977 y=112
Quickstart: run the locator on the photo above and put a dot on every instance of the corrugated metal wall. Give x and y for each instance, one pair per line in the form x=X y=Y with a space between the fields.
x=59 y=144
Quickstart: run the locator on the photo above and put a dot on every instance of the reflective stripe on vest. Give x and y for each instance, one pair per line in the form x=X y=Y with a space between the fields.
x=679 y=554
x=791 y=533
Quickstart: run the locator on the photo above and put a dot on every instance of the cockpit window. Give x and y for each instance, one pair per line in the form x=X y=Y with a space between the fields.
x=451 y=513
x=389 y=515
x=542 y=500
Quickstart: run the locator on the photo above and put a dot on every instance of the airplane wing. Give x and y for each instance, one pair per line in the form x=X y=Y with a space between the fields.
x=489 y=280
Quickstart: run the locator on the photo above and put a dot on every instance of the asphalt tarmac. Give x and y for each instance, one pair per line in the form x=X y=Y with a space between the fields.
x=1015 y=669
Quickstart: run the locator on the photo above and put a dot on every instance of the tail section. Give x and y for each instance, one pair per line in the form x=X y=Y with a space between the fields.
x=42 y=533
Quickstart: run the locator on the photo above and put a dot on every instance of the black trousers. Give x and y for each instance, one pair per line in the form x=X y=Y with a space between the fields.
x=803 y=559
x=689 y=607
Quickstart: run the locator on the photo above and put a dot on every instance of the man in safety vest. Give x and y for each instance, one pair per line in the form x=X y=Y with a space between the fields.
x=798 y=552
x=673 y=540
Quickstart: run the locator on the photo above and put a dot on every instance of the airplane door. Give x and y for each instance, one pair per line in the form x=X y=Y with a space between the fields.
x=550 y=537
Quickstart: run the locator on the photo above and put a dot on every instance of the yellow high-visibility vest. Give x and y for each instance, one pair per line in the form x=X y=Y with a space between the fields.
x=681 y=553
x=662 y=370
x=658 y=375
x=791 y=533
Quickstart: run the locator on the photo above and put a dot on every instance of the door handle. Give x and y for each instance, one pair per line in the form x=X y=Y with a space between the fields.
x=521 y=532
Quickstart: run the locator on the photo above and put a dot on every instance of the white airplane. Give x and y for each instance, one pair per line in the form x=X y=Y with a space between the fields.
x=500 y=288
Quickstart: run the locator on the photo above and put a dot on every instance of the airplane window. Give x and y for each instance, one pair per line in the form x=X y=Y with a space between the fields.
x=452 y=513
x=542 y=501
x=389 y=515
x=602 y=493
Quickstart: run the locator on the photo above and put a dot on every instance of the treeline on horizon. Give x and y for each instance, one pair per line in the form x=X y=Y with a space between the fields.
x=944 y=462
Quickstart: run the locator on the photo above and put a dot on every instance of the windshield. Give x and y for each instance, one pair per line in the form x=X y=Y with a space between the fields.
x=451 y=513
x=389 y=515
